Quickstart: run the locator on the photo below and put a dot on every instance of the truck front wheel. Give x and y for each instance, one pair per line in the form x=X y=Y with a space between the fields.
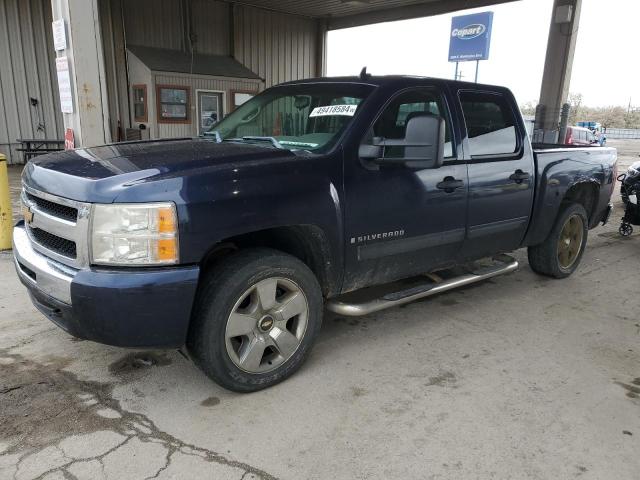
x=256 y=317
x=560 y=254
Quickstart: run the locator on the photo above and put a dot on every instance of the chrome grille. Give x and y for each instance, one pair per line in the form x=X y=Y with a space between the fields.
x=57 y=210
x=58 y=227
x=57 y=244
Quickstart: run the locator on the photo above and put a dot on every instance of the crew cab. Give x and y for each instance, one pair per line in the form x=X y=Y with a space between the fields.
x=352 y=193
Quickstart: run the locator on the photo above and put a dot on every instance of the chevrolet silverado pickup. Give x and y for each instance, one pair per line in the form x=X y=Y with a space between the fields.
x=352 y=194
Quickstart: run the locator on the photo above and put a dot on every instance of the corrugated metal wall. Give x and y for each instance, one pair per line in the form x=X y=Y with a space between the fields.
x=27 y=69
x=154 y=23
x=276 y=46
x=115 y=66
x=210 y=23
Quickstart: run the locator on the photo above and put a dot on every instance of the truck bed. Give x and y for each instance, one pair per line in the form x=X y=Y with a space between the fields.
x=561 y=167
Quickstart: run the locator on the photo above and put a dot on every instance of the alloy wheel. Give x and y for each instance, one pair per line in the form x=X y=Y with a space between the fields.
x=570 y=241
x=266 y=325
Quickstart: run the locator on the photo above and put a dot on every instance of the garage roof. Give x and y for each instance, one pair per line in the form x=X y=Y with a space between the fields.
x=350 y=13
x=163 y=60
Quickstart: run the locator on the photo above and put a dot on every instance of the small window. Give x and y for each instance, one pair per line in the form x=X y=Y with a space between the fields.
x=140 y=103
x=173 y=104
x=491 y=126
x=240 y=97
x=392 y=123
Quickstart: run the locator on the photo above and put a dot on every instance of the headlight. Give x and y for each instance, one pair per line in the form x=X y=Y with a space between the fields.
x=632 y=171
x=134 y=234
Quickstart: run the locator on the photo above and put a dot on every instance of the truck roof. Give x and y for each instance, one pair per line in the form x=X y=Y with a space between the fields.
x=390 y=80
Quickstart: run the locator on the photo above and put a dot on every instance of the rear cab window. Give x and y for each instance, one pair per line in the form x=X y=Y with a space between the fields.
x=491 y=124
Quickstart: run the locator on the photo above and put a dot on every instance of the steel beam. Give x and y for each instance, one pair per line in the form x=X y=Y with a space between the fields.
x=424 y=9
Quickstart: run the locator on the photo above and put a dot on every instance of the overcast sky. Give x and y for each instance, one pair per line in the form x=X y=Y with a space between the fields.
x=606 y=67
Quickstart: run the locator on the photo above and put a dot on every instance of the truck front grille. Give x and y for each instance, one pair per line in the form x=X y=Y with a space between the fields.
x=55 y=209
x=56 y=244
x=57 y=227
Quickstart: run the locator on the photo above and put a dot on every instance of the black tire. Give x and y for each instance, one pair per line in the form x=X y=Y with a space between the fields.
x=543 y=258
x=220 y=289
x=625 y=229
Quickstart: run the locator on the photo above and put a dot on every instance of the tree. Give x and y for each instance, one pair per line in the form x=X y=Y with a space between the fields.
x=632 y=119
x=528 y=108
x=612 y=117
x=575 y=101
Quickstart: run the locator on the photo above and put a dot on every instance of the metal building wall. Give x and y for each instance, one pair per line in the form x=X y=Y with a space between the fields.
x=115 y=65
x=27 y=69
x=154 y=23
x=210 y=23
x=276 y=46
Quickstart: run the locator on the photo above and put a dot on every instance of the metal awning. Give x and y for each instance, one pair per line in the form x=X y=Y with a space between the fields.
x=164 y=60
x=352 y=13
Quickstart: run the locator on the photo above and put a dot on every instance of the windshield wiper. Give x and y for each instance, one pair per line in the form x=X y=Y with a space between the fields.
x=248 y=139
x=215 y=134
x=272 y=140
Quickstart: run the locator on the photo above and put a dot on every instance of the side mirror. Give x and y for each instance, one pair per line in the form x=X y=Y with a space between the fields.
x=423 y=144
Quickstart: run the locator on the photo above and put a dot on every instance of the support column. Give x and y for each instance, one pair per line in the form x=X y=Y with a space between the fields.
x=561 y=45
x=89 y=118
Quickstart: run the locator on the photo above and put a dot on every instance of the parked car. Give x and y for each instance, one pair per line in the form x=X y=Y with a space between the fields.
x=305 y=196
x=580 y=136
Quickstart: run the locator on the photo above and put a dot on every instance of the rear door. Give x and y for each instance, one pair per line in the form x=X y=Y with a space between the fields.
x=501 y=173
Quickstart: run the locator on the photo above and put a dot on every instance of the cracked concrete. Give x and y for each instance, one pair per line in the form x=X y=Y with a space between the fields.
x=48 y=411
x=520 y=377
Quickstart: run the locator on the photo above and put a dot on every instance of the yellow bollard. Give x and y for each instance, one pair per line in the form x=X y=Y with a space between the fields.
x=6 y=216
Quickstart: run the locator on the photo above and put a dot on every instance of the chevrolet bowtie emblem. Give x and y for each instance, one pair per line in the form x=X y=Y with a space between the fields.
x=27 y=214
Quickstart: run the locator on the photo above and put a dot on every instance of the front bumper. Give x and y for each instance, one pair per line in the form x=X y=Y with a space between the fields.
x=144 y=307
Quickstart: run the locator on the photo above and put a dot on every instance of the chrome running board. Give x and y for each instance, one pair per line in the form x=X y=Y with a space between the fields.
x=501 y=264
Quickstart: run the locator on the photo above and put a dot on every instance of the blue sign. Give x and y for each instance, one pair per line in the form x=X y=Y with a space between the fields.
x=470 y=37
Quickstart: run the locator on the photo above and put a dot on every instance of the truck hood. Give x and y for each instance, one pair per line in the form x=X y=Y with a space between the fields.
x=97 y=174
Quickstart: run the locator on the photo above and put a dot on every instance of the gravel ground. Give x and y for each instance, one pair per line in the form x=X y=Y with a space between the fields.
x=518 y=377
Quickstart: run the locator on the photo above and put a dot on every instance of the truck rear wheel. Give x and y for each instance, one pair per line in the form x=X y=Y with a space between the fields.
x=256 y=317
x=560 y=254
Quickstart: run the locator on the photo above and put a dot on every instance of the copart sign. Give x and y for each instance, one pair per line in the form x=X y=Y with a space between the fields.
x=470 y=37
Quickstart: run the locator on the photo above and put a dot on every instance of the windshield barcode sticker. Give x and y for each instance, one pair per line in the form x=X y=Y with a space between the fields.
x=348 y=110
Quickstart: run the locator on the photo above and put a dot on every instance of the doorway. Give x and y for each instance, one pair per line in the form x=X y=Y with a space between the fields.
x=210 y=109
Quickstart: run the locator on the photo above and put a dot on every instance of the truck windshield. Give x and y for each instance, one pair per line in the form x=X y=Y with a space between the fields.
x=309 y=117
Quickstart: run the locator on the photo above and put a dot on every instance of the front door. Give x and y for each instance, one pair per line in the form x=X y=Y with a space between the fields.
x=400 y=221
x=501 y=174
x=210 y=109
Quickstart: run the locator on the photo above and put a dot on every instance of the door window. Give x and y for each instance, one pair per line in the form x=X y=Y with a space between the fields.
x=209 y=110
x=392 y=123
x=491 y=125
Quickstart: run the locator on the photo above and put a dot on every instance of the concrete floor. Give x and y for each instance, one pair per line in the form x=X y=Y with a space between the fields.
x=518 y=377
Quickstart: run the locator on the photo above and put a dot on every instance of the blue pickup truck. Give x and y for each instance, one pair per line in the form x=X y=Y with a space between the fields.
x=352 y=194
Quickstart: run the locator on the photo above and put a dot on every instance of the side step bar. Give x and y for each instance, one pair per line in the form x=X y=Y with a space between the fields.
x=502 y=264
